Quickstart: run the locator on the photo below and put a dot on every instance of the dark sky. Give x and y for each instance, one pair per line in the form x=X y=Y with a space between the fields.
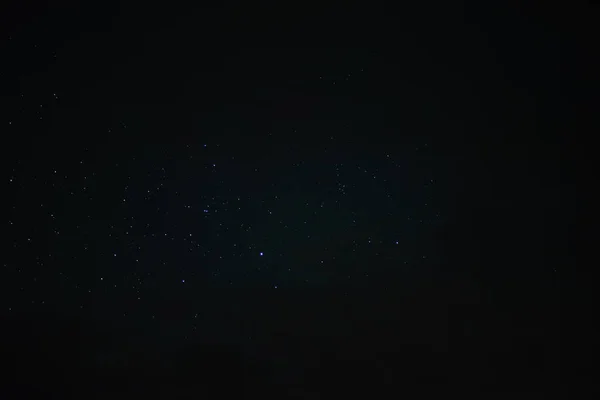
x=295 y=200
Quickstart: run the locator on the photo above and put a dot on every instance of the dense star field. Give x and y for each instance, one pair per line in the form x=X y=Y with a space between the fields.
x=301 y=206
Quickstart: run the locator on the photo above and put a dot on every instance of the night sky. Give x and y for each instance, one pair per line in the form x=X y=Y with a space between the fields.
x=282 y=201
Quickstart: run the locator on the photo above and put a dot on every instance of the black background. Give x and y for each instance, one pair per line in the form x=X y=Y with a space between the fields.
x=420 y=152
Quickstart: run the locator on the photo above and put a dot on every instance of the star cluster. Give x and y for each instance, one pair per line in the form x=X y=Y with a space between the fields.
x=123 y=229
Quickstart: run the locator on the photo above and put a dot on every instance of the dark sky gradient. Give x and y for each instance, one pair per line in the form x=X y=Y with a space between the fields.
x=307 y=202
